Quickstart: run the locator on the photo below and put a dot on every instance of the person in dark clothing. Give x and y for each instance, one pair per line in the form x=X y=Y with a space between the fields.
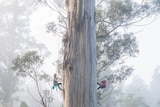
x=102 y=84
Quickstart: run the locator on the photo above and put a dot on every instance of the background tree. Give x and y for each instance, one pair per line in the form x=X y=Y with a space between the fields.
x=155 y=87
x=133 y=95
x=114 y=97
x=15 y=39
x=23 y=104
x=133 y=101
x=29 y=66
x=137 y=87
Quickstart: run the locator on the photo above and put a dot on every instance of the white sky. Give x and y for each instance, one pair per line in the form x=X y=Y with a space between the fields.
x=148 y=40
x=149 y=56
x=39 y=19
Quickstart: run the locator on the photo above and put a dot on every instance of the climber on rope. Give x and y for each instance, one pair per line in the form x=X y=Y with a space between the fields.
x=56 y=82
x=102 y=84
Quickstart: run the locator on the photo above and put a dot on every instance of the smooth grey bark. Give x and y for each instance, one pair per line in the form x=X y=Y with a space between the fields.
x=79 y=65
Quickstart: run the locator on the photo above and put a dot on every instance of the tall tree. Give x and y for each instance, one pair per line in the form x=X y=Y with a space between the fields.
x=79 y=65
x=114 y=43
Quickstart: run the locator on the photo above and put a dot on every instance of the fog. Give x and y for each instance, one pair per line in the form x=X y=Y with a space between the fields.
x=17 y=36
x=23 y=28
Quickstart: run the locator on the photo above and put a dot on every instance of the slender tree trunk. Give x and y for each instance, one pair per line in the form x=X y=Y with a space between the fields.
x=79 y=65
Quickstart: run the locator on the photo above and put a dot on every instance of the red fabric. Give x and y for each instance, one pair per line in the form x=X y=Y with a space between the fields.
x=55 y=75
x=103 y=83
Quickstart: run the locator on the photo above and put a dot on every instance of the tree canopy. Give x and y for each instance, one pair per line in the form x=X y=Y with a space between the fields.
x=29 y=65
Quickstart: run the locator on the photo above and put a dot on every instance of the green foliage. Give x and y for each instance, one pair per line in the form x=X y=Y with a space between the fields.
x=99 y=98
x=117 y=46
x=113 y=44
x=157 y=5
x=29 y=65
x=133 y=101
x=23 y=104
x=120 y=75
x=119 y=11
x=114 y=41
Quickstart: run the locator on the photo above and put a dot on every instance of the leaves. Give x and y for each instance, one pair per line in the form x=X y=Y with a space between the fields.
x=120 y=75
x=115 y=49
x=23 y=104
x=119 y=11
x=134 y=101
x=51 y=27
x=27 y=64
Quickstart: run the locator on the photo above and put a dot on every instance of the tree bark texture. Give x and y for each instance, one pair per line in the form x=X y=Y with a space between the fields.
x=79 y=65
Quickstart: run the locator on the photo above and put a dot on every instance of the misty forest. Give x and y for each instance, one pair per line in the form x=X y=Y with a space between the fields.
x=79 y=53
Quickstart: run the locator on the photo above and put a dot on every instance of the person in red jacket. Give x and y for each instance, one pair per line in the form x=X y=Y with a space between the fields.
x=102 y=84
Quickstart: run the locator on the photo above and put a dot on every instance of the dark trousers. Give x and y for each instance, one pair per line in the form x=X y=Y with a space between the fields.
x=100 y=86
x=58 y=84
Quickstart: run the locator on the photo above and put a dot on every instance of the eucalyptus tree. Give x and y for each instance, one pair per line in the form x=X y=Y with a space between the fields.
x=79 y=64
x=114 y=42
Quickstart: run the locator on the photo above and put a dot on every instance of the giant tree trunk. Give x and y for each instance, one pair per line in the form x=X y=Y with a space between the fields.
x=79 y=65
